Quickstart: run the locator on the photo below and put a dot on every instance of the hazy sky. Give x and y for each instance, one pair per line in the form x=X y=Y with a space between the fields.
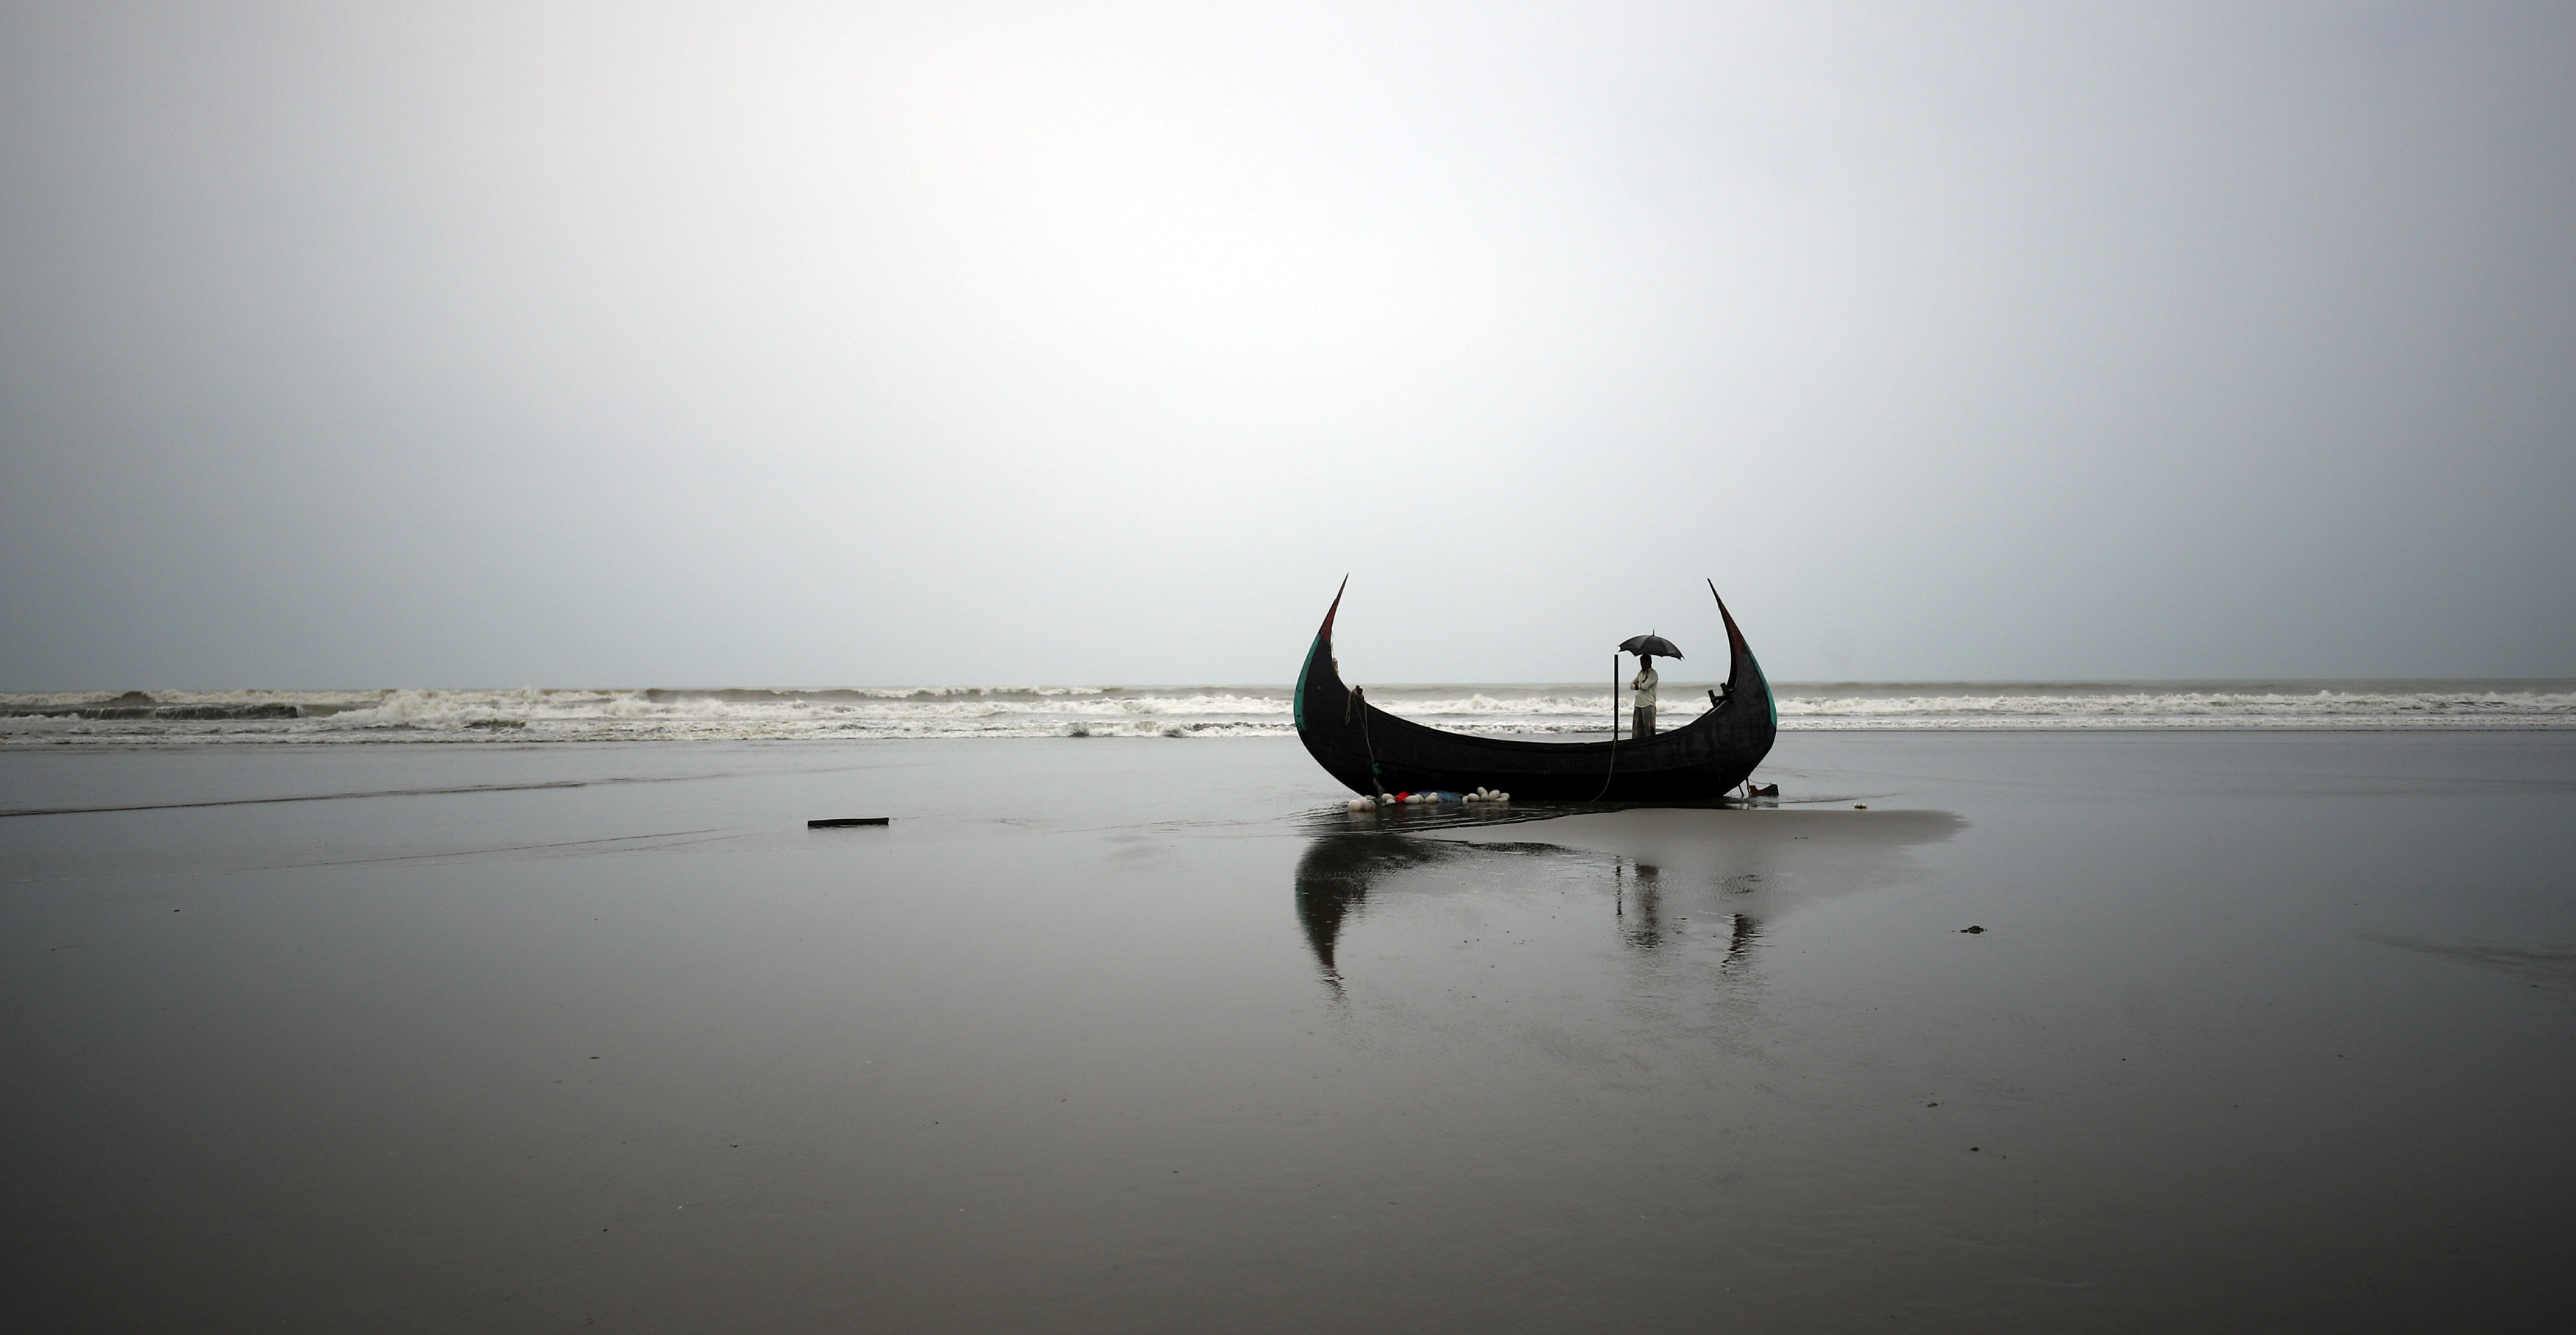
x=626 y=344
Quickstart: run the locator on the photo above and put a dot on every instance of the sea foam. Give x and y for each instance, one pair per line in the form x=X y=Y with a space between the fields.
x=1564 y=711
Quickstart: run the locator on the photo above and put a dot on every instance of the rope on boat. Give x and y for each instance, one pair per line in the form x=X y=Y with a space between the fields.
x=1376 y=775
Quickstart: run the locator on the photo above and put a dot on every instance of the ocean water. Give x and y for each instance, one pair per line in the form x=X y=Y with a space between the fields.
x=1570 y=711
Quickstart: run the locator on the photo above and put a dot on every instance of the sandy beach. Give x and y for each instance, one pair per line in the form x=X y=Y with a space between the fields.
x=2262 y=1031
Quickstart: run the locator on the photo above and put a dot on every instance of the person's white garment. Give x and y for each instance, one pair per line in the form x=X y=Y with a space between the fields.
x=1644 y=685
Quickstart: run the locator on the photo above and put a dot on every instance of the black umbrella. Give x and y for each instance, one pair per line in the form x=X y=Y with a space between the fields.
x=1655 y=646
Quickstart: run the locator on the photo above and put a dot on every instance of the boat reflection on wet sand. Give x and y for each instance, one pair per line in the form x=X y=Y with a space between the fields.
x=1647 y=869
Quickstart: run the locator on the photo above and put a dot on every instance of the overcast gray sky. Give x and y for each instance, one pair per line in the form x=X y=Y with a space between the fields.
x=765 y=344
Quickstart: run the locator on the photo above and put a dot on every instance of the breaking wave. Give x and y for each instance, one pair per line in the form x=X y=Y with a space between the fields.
x=534 y=714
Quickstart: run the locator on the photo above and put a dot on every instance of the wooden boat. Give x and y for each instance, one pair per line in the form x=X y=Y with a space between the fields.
x=1372 y=751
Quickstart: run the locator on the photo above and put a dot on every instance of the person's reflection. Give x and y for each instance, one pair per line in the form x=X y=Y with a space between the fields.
x=1639 y=896
x=1640 y=883
x=1740 y=936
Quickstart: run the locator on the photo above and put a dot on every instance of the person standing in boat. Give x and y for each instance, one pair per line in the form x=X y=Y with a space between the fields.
x=1644 y=686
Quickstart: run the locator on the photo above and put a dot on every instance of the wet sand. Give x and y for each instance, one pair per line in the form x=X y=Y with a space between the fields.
x=2264 y=1031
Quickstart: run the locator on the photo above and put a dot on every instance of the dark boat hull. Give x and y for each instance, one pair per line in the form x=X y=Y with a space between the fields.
x=1372 y=751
